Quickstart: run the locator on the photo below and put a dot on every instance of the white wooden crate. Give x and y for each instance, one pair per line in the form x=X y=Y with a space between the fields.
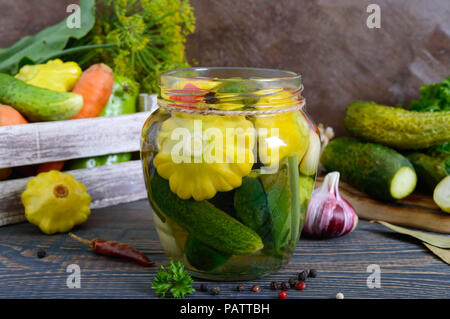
x=63 y=140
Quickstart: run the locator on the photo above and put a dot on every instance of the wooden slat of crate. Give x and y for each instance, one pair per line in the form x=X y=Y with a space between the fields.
x=107 y=185
x=62 y=140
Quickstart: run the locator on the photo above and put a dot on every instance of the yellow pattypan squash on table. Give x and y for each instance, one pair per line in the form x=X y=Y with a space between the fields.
x=55 y=202
x=280 y=135
x=54 y=75
x=210 y=161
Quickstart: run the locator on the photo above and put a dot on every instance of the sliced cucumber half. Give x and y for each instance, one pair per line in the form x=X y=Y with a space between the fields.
x=441 y=195
x=403 y=182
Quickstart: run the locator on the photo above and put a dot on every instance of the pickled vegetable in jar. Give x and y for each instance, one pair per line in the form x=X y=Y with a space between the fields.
x=222 y=159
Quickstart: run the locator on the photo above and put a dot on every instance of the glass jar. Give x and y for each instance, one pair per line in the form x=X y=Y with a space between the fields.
x=229 y=160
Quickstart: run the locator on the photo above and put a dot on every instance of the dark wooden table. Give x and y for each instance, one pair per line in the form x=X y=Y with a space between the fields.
x=408 y=270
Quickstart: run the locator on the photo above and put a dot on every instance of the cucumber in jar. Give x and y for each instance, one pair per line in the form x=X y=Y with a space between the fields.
x=209 y=224
x=202 y=256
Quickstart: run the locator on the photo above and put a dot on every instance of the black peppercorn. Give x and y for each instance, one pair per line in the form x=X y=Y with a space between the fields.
x=240 y=287
x=285 y=285
x=292 y=282
x=214 y=290
x=302 y=275
x=312 y=273
x=210 y=98
x=274 y=285
x=41 y=253
x=204 y=287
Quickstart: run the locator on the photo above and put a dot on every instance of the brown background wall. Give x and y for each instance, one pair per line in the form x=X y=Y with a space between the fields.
x=326 y=40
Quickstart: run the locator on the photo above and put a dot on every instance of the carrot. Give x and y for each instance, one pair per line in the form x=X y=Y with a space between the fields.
x=9 y=116
x=95 y=85
x=50 y=166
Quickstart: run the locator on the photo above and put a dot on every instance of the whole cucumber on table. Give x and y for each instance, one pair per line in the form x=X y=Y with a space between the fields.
x=38 y=104
x=209 y=225
x=375 y=169
x=122 y=101
x=430 y=169
x=397 y=127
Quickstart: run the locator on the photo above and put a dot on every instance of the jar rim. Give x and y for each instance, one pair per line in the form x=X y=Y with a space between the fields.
x=230 y=88
x=250 y=73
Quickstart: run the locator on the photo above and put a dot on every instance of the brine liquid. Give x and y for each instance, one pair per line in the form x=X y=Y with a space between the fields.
x=243 y=267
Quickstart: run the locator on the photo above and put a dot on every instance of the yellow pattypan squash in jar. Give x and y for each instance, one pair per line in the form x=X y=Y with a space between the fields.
x=201 y=155
x=280 y=135
x=55 y=75
x=275 y=98
x=55 y=202
x=189 y=90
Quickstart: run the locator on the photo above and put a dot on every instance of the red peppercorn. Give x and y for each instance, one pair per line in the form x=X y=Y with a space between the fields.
x=282 y=294
x=300 y=285
x=256 y=288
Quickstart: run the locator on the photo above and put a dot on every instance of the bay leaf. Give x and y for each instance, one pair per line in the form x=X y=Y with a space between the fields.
x=442 y=253
x=440 y=241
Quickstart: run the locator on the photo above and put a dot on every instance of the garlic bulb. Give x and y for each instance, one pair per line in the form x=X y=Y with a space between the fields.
x=329 y=215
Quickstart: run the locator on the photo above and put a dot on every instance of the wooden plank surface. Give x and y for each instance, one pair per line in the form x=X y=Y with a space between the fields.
x=416 y=211
x=408 y=270
x=108 y=185
x=62 y=140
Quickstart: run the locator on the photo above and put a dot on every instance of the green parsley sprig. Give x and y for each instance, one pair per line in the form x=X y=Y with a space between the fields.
x=173 y=279
x=433 y=97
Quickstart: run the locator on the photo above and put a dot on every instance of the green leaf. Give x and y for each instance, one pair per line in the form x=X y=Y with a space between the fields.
x=161 y=283
x=46 y=43
x=444 y=254
x=433 y=97
x=250 y=203
x=278 y=193
x=173 y=279
x=439 y=150
x=440 y=241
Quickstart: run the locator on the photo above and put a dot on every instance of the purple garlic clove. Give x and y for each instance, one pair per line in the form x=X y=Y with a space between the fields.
x=329 y=215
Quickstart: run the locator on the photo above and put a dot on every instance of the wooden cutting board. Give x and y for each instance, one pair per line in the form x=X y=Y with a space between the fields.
x=416 y=211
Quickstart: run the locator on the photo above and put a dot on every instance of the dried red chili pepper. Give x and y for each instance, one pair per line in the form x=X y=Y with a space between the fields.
x=115 y=249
